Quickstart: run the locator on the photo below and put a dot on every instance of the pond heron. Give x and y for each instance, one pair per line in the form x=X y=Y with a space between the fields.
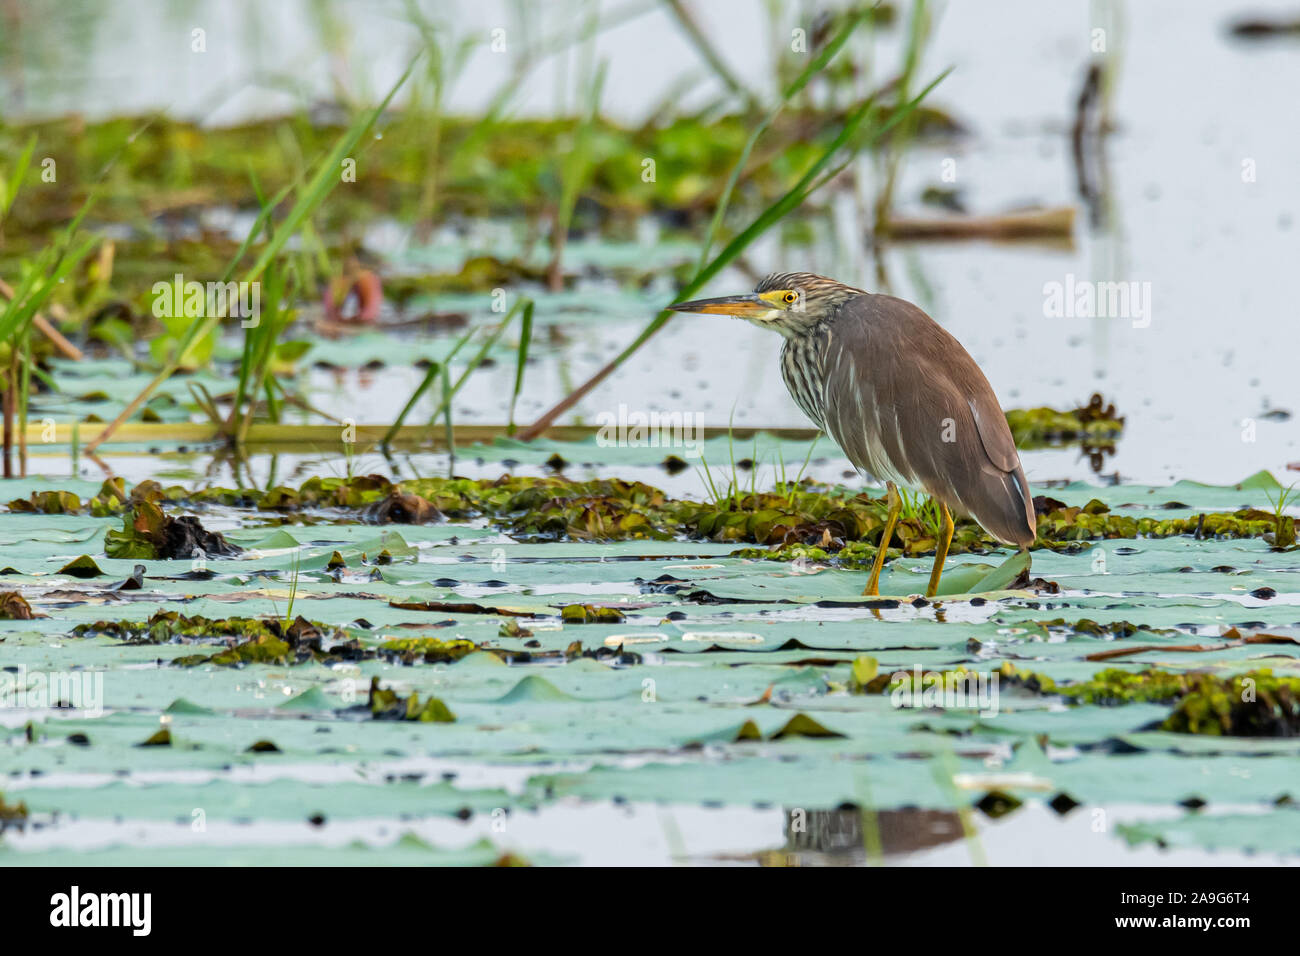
x=901 y=397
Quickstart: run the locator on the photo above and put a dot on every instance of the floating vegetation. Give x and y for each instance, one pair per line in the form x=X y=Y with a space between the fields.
x=1109 y=630
x=263 y=649
x=1252 y=704
x=1094 y=424
x=810 y=521
x=148 y=533
x=865 y=676
x=512 y=154
x=14 y=607
x=431 y=650
x=49 y=503
x=250 y=640
x=590 y=614
x=1255 y=704
x=12 y=814
x=386 y=704
x=167 y=627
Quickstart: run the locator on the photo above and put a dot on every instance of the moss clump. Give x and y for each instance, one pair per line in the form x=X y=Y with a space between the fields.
x=511 y=627
x=591 y=614
x=263 y=649
x=1106 y=687
x=165 y=627
x=1111 y=686
x=1254 y=704
x=860 y=555
x=1115 y=686
x=431 y=650
x=385 y=704
x=252 y=640
x=805 y=521
x=1257 y=704
x=1094 y=424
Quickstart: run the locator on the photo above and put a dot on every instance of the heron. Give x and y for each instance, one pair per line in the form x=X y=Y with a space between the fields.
x=900 y=396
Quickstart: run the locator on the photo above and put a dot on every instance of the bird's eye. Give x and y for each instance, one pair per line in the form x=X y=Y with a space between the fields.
x=789 y=298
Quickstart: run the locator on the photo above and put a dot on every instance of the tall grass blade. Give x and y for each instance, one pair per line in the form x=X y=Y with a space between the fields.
x=790 y=92
x=521 y=362
x=773 y=214
x=478 y=358
x=11 y=184
x=309 y=198
x=430 y=376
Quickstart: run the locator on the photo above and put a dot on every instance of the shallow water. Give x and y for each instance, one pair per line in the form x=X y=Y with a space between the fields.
x=1206 y=391
x=600 y=760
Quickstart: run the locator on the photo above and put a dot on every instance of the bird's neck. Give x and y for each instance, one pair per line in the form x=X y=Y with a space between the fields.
x=800 y=326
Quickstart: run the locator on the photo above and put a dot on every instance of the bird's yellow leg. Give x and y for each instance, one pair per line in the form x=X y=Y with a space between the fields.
x=895 y=506
x=941 y=552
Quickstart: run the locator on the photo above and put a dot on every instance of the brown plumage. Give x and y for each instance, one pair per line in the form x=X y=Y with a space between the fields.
x=949 y=438
x=901 y=397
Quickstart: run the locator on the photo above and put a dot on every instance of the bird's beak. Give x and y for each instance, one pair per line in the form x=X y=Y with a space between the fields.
x=745 y=306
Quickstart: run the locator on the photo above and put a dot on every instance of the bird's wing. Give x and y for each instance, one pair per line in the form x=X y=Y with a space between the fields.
x=995 y=434
x=907 y=403
x=856 y=412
